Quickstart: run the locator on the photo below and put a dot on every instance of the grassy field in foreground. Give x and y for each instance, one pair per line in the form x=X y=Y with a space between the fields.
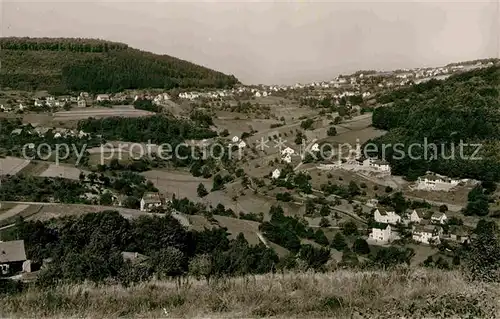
x=415 y=293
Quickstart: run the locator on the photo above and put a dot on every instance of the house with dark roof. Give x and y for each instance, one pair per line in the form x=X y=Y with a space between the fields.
x=428 y=234
x=12 y=257
x=386 y=216
x=439 y=218
x=151 y=200
x=459 y=234
x=417 y=215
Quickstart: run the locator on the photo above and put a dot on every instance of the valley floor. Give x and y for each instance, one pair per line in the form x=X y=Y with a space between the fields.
x=408 y=293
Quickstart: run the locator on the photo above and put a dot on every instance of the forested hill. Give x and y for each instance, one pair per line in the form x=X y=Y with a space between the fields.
x=97 y=66
x=463 y=107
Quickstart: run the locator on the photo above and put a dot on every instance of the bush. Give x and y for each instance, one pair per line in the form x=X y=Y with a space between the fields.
x=360 y=246
x=324 y=222
x=332 y=131
x=349 y=228
x=339 y=242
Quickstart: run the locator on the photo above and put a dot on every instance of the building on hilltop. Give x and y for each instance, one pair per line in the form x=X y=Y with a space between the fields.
x=434 y=182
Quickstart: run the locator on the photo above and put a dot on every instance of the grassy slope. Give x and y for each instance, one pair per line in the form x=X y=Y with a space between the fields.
x=413 y=293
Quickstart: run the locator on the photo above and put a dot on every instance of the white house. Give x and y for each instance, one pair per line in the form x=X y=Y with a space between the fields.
x=39 y=103
x=102 y=97
x=383 y=235
x=242 y=144
x=276 y=173
x=257 y=94
x=417 y=216
x=385 y=216
x=287 y=158
x=315 y=147
x=288 y=151
x=235 y=139
x=82 y=103
x=151 y=200
x=378 y=165
x=427 y=234
x=459 y=234
x=434 y=182
x=439 y=218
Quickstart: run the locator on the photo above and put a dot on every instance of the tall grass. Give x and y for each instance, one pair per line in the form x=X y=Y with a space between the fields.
x=413 y=293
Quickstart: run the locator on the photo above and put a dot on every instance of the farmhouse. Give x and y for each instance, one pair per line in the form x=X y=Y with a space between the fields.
x=436 y=182
x=102 y=97
x=459 y=234
x=439 y=218
x=378 y=165
x=382 y=215
x=383 y=234
x=12 y=257
x=151 y=200
x=417 y=216
x=82 y=103
x=428 y=234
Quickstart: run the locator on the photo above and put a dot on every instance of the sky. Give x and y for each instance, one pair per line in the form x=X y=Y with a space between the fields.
x=275 y=42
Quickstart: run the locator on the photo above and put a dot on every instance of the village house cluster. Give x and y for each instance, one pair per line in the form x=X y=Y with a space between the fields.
x=426 y=227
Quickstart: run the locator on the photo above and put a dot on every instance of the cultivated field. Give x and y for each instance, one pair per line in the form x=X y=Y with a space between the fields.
x=63 y=171
x=182 y=184
x=12 y=165
x=79 y=114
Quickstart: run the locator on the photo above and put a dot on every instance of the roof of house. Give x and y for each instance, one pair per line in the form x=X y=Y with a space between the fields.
x=382 y=226
x=150 y=197
x=380 y=162
x=437 y=215
x=420 y=212
x=134 y=257
x=426 y=228
x=12 y=251
x=384 y=210
x=458 y=231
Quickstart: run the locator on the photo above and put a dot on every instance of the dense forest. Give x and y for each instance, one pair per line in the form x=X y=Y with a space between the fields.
x=92 y=65
x=463 y=108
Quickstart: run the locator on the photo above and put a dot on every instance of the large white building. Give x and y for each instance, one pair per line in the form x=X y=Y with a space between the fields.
x=383 y=234
x=378 y=165
x=427 y=234
x=152 y=200
x=439 y=218
x=434 y=182
x=385 y=216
